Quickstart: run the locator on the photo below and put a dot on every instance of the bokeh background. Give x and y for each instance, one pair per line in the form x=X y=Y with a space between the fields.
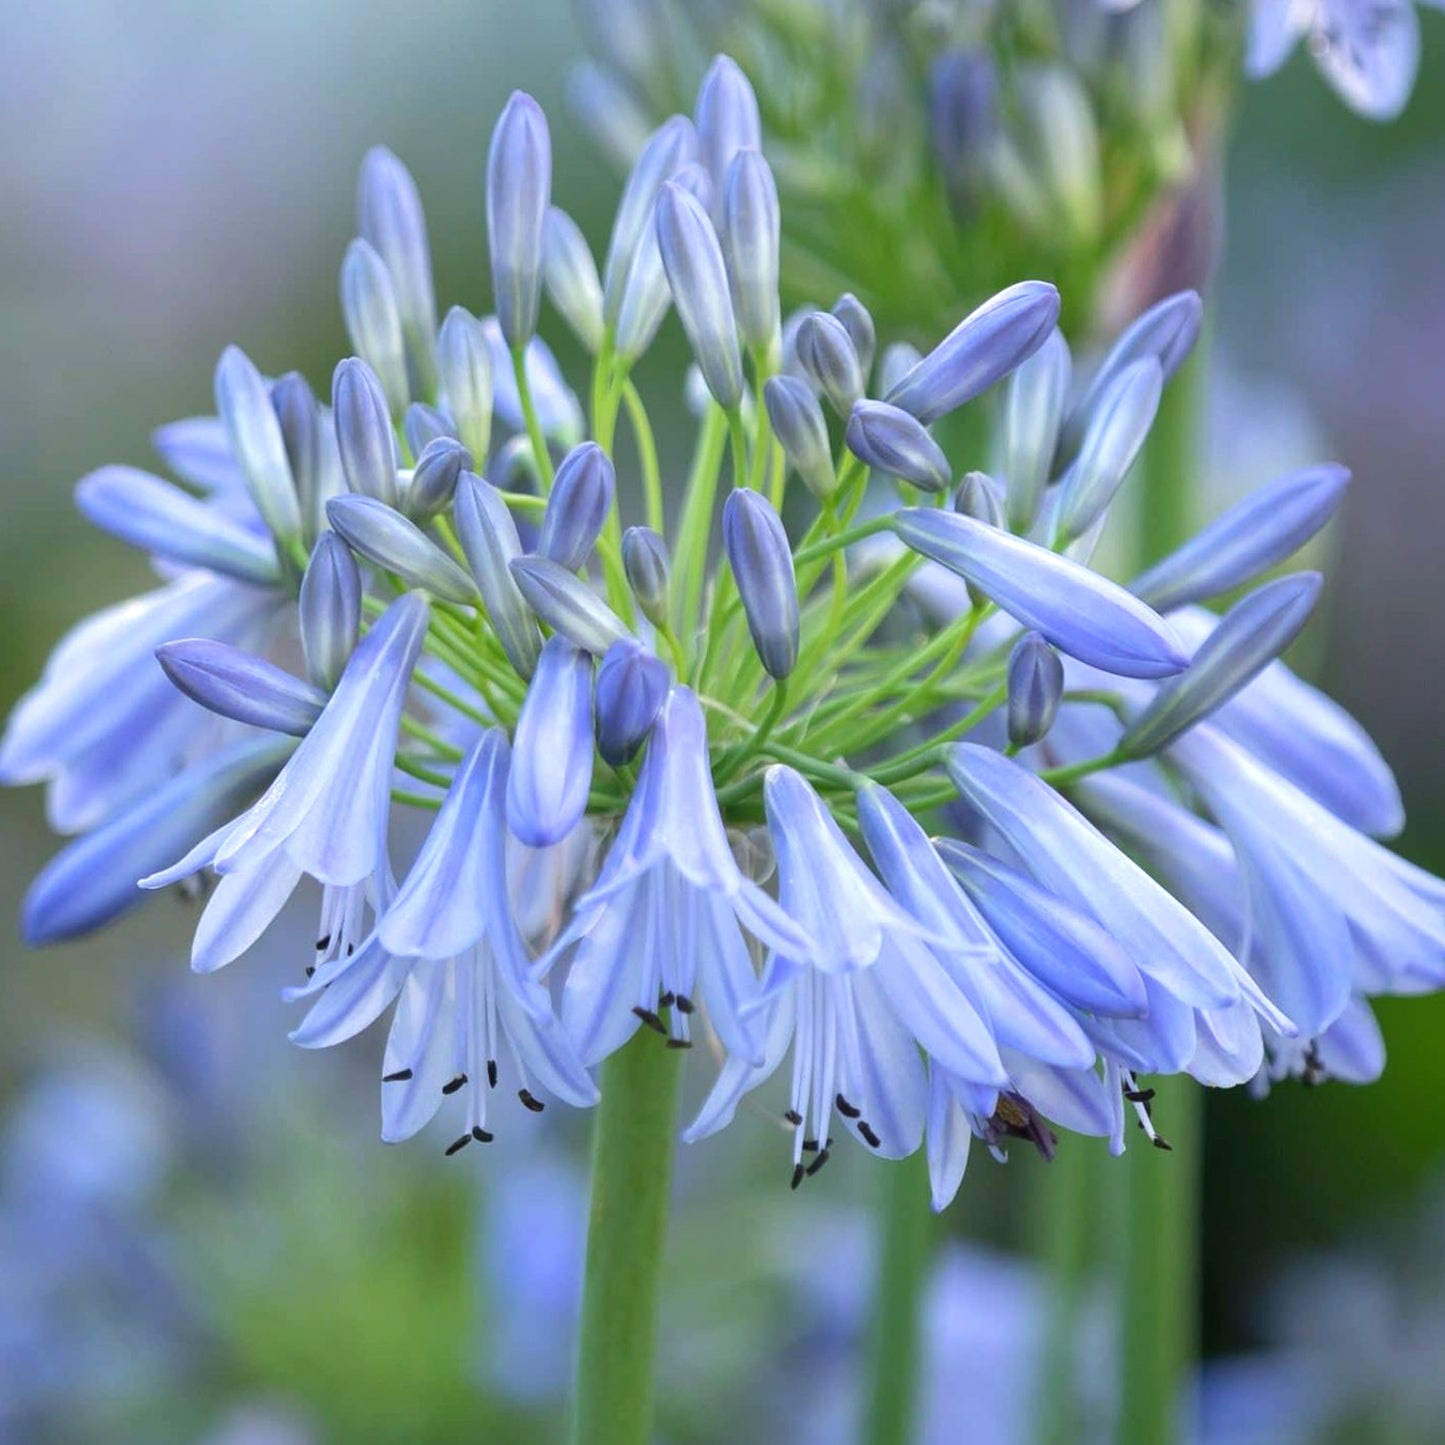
x=200 y=1239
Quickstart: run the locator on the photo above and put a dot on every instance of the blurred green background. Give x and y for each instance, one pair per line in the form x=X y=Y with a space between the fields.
x=179 y=177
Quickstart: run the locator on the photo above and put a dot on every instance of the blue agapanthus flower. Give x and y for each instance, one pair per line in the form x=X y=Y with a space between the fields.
x=675 y=801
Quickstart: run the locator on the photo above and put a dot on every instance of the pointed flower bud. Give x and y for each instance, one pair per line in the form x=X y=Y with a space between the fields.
x=858 y=323
x=631 y=684
x=519 y=190
x=1166 y=331
x=302 y=430
x=1081 y=613
x=727 y=118
x=693 y=260
x=570 y=275
x=162 y=519
x=385 y=537
x=422 y=425
x=552 y=756
x=751 y=231
x=1116 y=434
x=390 y=217
x=1253 y=633
x=672 y=145
x=1035 y=685
x=234 y=683
x=798 y=423
x=465 y=360
x=1033 y=412
x=982 y=349
x=1262 y=530
x=762 y=562
x=568 y=605
x=981 y=498
x=578 y=506
x=256 y=442
x=891 y=441
x=434 y=481
x=363 y=432
x=488 y=534
x=330 y=610
x=827 y=357
x=373 y=321
x=645 y=560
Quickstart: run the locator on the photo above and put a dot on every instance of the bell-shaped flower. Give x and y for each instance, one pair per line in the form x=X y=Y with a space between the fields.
x=662 y=928
x=326 y=814
x=449 y=945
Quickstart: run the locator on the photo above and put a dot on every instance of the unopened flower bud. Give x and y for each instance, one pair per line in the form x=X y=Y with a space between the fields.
x=631 y=684
x=330 y=610
x=373 y=321
x=244 y=404
x=422 y=425
x=571 y=278
x=519 y=190
x=762 y=563
x=726 y=118
x=465 y=359
x=577 y=507
x=234 y=684
x=488 y=534
x=645 y=560
x=828 y=358
x=897 y=361
x=551 y=770
x=798 y=423
x=858 y=323
x=980 y=497
x=388 y=539
x=363 y=432
x=567 y=604
x=1033 y=411
x=302 y=429
x=751 y=228
x=892 y=441
x=434 y=480
x=1035 y=685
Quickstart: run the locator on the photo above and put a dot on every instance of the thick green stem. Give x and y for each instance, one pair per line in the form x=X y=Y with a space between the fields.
x=631 y=1182
x=1161 y=1269
x=894 y=1344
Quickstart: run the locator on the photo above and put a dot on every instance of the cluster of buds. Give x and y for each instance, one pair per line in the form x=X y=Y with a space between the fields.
x=691 y=798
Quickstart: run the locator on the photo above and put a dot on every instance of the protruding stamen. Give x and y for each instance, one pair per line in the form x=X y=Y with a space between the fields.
x=650 y=1019
x=530 y=1101
x=482 y=1136
x=454 y=1084
x=399 y=1077
x=457 y=1144
x=491 y=1073
x=869 y=1136
x=847 y=1110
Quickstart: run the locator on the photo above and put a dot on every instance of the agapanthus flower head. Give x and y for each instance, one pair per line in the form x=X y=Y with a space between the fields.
x=682 y=773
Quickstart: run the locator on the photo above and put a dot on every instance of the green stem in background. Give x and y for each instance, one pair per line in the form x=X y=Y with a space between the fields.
x=647 y=454
x=1160 y=1285
x=1161 y=1268
x=631 y=1182
x=529 y=413
x=894 y=1344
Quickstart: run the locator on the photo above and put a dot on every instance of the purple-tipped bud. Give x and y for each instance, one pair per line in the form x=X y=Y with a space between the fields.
x=1253 y=633
x=423 y=424
x=858 y=323
x=578 y=506
x=645 y=560
x=519 y=190
x=238 y=685
x=981 y=498
x=1081 y=613
x=891 y=441
x=330 y=610
x=692 y=257
x=672 y=146
x=551 y=769
x=762 y=562
x=567 y=604
x=1035 y=685
x=488 y=534
x=373 y=322
x=244 y=404
x=751 y=230
x=434 y=481
x=1115 y=436
x=1262 y=530
x=798 y=423
x=570 y=275
x=828 y=359
x=727 y=118
x=363 y=432
x=299 y=415
x=982 y=349
x=646 y=293
x=631 y=684
x=1033 y=412
x=160 y=518
x=896 y=362
x=390 y=217
x=1166 y=331
x=465 y=359
x=385 y=537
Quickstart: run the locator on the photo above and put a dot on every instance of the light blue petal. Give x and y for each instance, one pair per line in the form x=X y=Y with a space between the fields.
x=948 y=1137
